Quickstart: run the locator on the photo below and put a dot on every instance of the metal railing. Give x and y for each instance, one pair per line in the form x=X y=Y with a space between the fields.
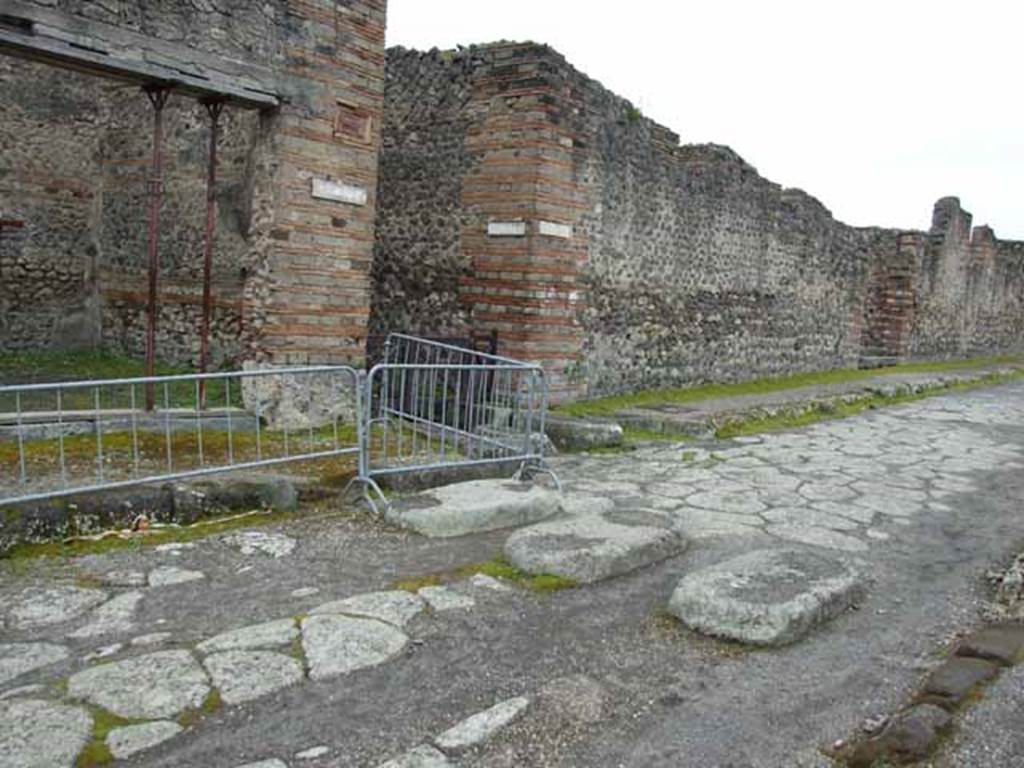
x=64 y=438
x=428 y=406
x=432 y=405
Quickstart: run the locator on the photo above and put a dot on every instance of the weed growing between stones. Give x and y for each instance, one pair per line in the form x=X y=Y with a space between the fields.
x=96 y=752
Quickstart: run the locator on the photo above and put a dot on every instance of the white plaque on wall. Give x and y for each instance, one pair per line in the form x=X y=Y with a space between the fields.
x=554 y=229
x=339 y=192
x=506 y=228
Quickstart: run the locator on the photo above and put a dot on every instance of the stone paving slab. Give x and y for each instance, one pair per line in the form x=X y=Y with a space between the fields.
x=269 y=634
x=396 y=607
x=591 y=548
x=337 y=645
x=478 y=728
x=41 y=734
x=130 y=739
x=243 y=676
x=766 y=597
x=474 y=507
x=41 y=607
x=16 y=659
x=155 y=686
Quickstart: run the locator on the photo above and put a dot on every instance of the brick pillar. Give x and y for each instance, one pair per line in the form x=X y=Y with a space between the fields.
x=309 y=302
x=522 y=233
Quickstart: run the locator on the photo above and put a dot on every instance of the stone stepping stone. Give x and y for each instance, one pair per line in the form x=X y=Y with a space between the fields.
x=312 y=753
x=909 y=737
x=18 y=658
x=113 y=616
x=34 y=734
x=482 y=726
x=445 y=599
x=817 y=537
x=125 y=742
x=243 y=676
x=271 y=634
x=169 y=575
x=423 y=756
x=56 y=605
x=594 y=547
x=152 y=687
x=952 y=682
x=336 y=644
x=276 y=545
x=473 y=507
x=396 y=607
x=1002 y=643
x=767 y=597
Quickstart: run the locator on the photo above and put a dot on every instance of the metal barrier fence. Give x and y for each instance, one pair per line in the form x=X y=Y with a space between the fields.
x=74 y=437
x=428 y=406
x=432 y=405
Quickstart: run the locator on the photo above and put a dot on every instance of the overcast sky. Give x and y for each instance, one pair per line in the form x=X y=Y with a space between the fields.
x=876 y=108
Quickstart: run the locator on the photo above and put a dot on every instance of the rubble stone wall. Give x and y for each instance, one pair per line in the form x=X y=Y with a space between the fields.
x=291 y=264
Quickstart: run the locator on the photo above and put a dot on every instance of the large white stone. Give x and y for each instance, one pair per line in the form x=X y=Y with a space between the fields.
x=242 y=676
x=767 y=597
x=54 y=605
x=482 y=726
x=472 y=507
x=594 y=547
x=18 y=658
x=396 y=607
x=276 y=545
x=270 y=634
x=446 y=599
x=125 y=742
x=41 y=734
x=337 y=645
x=155 y=686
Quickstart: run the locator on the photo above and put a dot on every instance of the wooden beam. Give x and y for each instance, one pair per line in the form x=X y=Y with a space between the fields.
x=96 y=48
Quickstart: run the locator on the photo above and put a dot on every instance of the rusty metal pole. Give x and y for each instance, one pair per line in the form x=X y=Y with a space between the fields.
x=158 y=98
x=213 y=108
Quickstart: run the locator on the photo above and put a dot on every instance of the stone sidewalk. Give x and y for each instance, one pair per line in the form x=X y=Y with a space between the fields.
x=294 y=646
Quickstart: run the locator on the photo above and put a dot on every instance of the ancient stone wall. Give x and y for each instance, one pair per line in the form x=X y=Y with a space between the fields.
x=296 y=190
x=596 y=244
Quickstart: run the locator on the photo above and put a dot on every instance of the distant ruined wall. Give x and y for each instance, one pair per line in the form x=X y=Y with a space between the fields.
x=291 y=270
x=598 y=245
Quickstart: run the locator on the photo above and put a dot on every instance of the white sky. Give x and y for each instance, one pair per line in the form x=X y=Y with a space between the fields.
x=876 y=108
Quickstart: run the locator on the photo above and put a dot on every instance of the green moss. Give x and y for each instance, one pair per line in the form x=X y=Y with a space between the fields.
x=200 y=530
x=609 y=406
x=96 y=752
x=498 y=568
x=211 y=704
x=841 y=410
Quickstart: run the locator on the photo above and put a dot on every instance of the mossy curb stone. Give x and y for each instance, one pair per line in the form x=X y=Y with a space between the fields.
x=591 y=548
x=769 y=597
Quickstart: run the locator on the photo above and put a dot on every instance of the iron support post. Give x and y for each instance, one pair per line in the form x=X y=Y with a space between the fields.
x=158 y=98
x=214 y=109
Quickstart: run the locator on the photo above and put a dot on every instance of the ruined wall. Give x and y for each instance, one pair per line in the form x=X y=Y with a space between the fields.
x=596 y=244
x=296 y=190
x=418 y=256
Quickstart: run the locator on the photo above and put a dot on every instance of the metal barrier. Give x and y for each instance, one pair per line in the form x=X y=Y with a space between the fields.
x=76 y=437
x=428 y=406
x=432 y=405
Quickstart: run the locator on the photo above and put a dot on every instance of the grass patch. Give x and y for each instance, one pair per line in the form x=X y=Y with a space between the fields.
x=151 y=538
x=840 y=410
x=50 y=366
x=610 y=406
x=498 y=568
x=96 y=752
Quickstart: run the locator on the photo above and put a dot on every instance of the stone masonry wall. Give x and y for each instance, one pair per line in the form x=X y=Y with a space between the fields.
x=291 y=261
x=599 y=246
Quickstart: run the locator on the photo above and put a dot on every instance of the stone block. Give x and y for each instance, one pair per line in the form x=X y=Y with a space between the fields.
x=767 y=597
x=1002 y=643
x=957 y=678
